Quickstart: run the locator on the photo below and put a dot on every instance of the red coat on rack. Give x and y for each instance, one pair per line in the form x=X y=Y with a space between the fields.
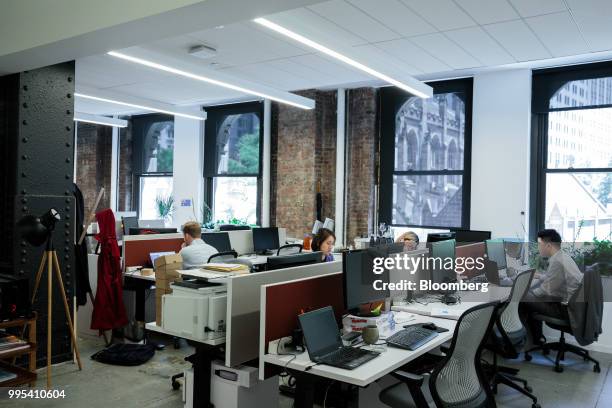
x=109 y=310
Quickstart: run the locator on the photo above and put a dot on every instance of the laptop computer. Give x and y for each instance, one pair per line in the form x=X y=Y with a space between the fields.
x=324 y=343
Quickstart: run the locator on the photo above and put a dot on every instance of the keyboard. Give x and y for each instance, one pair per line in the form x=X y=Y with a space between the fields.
x=411 y=338
x=348 y=357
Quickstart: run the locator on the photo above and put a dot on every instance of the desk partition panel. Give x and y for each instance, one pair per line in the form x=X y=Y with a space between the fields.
x=136 y=248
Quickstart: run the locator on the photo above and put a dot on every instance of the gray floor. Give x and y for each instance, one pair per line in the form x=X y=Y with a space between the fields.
x=100 y=385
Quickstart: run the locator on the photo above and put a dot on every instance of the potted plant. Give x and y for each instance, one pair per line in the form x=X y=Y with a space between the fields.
x=164 y=207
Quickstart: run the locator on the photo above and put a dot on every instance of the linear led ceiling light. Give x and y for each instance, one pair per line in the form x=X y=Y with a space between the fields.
x=138 y=106
x=165 y=68
x=334 y=54
x=99 y=120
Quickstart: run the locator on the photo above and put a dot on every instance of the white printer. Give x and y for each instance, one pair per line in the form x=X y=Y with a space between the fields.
x=195 y=310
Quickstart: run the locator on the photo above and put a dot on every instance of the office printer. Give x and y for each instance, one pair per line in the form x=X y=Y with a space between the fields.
x=195 y=309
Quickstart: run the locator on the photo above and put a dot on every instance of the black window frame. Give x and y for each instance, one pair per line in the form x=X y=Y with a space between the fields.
x=139 y=124
x=391 y=98
x=210 y=149
x=545 y=83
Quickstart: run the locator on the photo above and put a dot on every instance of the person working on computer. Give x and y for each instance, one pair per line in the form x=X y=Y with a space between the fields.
x=194 y=252
x=553 y=288
x=410 y=240
x=324 y=241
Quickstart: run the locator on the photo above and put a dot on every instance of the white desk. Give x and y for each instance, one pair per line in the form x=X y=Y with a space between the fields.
x=138 y=275
x=255 y=259
x=387 y=362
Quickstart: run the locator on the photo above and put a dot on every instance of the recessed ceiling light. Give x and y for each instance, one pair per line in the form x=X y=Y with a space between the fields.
x=165 y=68
x=347 y=60
x=138 y=106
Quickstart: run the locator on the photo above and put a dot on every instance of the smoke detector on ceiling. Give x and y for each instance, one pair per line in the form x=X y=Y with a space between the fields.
x=203 y=51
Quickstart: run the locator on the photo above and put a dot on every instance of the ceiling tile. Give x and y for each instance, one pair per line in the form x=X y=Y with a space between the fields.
x=480 y=44
x=442 y=14
x=488 y=11
x=392 y=64
x=591 y=7
x=518 y=40
x=405 y=50
x=354 y=20
x=342 y=72
x=311 y=25
x=529 y=8
x=446 y=50
x=559 y=33
x=594 y=18
x=395 y=15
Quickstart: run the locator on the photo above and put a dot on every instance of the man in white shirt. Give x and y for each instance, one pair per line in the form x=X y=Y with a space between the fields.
x=551 y=291
x=195 y=252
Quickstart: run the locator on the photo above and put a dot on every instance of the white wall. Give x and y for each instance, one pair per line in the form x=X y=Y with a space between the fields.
x=188 y=170
x=500 y=152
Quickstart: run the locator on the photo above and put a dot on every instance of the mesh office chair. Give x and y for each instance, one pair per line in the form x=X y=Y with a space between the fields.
x=458 y=381
x=289 y=249
x=592 y=277
x=223 y=256
x=508 y=338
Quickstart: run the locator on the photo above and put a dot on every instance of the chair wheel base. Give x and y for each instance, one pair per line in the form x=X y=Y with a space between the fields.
x=528 y=388
x=558 y=369
x=596 y=368
x=528 y=357
x=176 y=385
x=545 y=351
x=535 y=406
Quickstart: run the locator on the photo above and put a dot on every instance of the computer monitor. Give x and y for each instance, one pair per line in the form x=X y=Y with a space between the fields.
x=440 y=236
x=358 y=277
x=265 y=239
x=154 y=255
x=129 y=223
x=441 y=251
x=496 y=252
x=288 y=261
x=471 y=236
x=219 y=240
x=148 y=231
x=151 y=224
x=233 y=227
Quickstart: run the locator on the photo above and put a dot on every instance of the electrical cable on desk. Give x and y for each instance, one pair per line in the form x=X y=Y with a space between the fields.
x=326 y=391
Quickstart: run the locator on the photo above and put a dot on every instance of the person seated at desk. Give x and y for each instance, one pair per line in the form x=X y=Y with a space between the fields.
x=324 y=241
x=410 y=240
x=195 y=252
x=552 y=290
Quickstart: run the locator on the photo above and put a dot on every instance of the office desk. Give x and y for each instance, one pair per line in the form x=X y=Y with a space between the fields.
x=206 y=351
x=362 y=376
x=255 y=259
x=453 y=312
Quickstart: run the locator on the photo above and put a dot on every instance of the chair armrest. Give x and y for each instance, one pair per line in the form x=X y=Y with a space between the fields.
x=444 y=348
x=408 y=378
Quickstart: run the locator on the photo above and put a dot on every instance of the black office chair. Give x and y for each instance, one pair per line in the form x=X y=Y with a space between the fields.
x=508 y=338
x=458 y=381
x=577 y=300
x=223 y=256
x=232 y=227
x=289 y=249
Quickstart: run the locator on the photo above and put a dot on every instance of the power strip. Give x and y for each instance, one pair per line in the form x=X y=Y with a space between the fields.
x=281 y=346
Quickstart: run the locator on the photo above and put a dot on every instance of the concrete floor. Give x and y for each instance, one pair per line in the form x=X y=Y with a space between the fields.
x=100 y=385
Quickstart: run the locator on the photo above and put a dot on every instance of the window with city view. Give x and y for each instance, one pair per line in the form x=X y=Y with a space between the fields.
x=232 y=184
x=578 y=171
x=428 y=158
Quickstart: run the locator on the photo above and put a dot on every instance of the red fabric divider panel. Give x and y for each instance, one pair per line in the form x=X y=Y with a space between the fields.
x=136 y=253
x=285 y=302
x=473 y=251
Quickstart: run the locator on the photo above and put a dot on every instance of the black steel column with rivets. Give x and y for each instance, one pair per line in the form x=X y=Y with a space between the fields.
x=36 y=138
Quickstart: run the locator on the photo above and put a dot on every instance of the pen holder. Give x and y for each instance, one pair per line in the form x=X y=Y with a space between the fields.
x=370 y=334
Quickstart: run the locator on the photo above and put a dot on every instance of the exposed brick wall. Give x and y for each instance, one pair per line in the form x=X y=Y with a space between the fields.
x=126 y=173
x=94 y=155
x=93 y=170
x=361 y=146
x=303 y=153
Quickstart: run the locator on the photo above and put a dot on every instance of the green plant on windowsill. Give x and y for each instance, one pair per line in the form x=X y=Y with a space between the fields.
x=599 y=253
x=164 y=206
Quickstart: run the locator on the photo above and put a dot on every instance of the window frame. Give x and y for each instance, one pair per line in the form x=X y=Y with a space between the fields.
x=210 y=149
x=545 y=83
x=391 y=98
x=138 y=124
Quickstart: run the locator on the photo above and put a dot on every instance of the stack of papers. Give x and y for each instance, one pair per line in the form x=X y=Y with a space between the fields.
x=10 y=342
x=226 y=267
x=6 y=375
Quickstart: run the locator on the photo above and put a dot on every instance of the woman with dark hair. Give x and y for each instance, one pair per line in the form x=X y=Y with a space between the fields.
x=324 y=241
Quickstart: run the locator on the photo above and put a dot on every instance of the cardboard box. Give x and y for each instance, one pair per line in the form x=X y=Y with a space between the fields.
x=159 y=292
